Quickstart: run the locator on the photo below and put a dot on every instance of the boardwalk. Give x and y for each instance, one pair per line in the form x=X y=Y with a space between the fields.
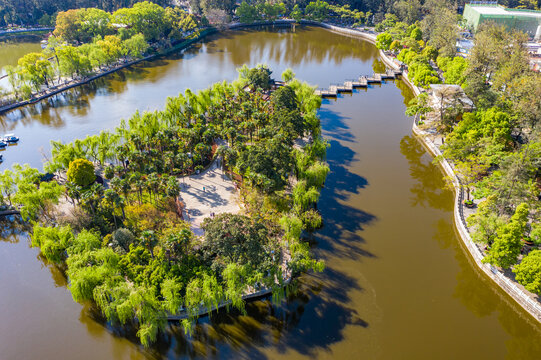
x=362 y=81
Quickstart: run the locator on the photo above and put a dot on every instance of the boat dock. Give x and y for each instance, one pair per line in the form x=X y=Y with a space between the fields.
x=362 y=81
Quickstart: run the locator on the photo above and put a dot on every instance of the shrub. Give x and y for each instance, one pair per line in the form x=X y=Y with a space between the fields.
x=109 y=172
x=311 y=220
x=122 y=238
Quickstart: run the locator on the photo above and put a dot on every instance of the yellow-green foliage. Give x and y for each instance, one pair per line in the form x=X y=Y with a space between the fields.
x=53 y=241
x=81 y=172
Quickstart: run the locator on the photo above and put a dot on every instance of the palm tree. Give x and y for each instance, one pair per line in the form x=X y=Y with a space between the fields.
x=149 y=240
x=112 y=198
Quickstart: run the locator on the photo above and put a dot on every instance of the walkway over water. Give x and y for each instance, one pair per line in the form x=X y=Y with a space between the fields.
x=362 y=81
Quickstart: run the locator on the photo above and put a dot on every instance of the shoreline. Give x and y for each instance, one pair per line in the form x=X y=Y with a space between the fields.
x=71 y=84
x=24 y=31
x=181 y=46
x=511 y=288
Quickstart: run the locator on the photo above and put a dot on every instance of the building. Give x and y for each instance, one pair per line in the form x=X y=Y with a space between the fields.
x=528 y=21
x=463 y=47
x=444 y=96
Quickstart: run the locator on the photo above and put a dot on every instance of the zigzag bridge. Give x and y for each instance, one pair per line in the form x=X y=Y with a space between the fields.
x=362 y=81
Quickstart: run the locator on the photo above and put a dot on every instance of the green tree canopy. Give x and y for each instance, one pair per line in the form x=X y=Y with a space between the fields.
x=528 y=272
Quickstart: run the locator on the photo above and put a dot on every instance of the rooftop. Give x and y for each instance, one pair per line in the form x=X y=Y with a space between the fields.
x=489 y=9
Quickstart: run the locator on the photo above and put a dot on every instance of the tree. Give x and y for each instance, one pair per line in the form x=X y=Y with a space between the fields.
x=143 y=18
x=296 y=13
x=528 y=272
x=7 y=185
x=36 y=69
x=236 y=239
x=485 y=222
x=383 y=41
x=507 y=245
x=81 y=172
x=122 y=238
x=68 y=25
x=317 y=10
x=408 y=10
x=217 y=17
x=259 y=77
x=521 y=95
x=247 y=13
x=454 y=72
x=284 y=98
x=288 y=75
x=419 y=106
x=53 y=241
x=135 y=46
x=389 y=22
x=430 y=52
x=498 y=57
x=469 y=171
x=440 y=26
x=111 y=47
x=94 y=22
x=72 y=61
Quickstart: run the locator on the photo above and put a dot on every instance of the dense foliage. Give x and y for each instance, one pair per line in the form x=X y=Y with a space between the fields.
x=43 y=12
x=125 y=244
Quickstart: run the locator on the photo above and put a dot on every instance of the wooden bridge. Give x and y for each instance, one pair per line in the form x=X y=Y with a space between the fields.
x=362 y=81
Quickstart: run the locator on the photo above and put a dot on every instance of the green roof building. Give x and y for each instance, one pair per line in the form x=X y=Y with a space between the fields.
x=528 y=21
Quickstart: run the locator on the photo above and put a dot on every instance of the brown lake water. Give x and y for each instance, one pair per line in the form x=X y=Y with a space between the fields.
x=14 y=47
x=398 y=283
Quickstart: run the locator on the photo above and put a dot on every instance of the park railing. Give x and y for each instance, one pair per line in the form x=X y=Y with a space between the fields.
x=520 y=295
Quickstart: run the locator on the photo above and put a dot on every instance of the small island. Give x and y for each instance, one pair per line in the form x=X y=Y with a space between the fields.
x=115 y=217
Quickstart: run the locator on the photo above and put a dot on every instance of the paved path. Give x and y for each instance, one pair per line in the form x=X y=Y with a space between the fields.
x=206 y=193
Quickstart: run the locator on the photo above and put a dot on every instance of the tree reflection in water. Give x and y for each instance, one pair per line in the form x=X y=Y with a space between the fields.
x=429 y=189
x=474 y=290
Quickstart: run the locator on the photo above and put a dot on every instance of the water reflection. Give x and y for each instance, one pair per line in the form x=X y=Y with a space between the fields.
x=322 y=48
x=12 y=228
x=318 y=46
x=429 y=189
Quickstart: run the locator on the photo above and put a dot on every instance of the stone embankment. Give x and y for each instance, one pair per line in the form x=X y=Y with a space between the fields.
x=21 y=31
x=514 y=290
